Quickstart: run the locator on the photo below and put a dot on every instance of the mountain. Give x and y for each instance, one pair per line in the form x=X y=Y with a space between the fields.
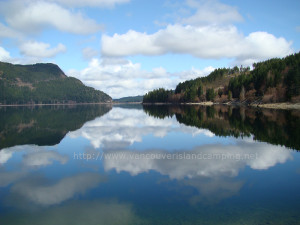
x=274 y=80
x=138 y=98
x=43 y=83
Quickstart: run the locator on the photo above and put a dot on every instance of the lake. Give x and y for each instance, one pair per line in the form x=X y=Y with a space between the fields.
x=134 y=164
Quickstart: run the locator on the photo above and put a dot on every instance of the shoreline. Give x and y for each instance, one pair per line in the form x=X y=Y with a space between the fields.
x=282 y=105
x=279 y=105
x=200 y=103
x=56 y=104
x=180 y=103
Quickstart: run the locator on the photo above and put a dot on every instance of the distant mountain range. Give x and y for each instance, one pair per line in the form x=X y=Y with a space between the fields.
x=138 y=98
x=43 y=83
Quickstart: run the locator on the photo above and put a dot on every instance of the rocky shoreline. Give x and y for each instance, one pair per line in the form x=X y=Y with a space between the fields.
x=282 y=105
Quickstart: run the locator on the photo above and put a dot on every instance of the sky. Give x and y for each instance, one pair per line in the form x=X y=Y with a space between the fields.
x=129 y=47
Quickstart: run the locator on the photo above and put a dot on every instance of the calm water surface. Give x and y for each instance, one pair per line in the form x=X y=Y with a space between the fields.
x=149 y=165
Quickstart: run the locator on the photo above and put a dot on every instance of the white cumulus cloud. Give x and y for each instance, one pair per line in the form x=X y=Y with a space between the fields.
x=210 y=42
x=92 y=3
x=211 y=12
x=4 y=55
x=41 y=49
x=7 y=32
x=32 y=16
x=120 y=77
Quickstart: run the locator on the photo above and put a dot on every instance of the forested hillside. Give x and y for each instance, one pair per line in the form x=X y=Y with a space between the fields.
x=128 y=99
x=43 y=83
x=274 y=80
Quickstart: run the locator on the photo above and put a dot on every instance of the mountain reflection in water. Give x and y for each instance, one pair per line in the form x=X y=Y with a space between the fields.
x=149 y=165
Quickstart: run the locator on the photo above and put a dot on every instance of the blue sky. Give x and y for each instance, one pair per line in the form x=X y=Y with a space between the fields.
x=128 y=47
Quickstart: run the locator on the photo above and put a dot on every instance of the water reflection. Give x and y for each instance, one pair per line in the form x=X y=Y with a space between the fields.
x=179 y=165
x=116 y=135
x=280 y=127
x=209 y=169
x=40 y=191
x=44 y=158
x=45 y=125
x=78 y=212
x=122 y=128
x=9 y=177
x=204 y=161
x=33 y=155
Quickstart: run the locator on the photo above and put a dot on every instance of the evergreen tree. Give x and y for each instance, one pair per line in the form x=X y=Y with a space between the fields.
x=210 y=94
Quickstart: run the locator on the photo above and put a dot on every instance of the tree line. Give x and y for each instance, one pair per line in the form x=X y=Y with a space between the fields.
x=274 y=80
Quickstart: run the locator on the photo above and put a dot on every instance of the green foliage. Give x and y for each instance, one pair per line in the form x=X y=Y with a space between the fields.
x=277 y=77
x=236 y=84
x=268 y=74
x=43 y=83
x=191 y=94
x=293 y=82
x=31 y=73
x=210 y=94
x=195 y=88
x=158 y=95
x=186 y=86
x=138 y=98
x=200 y=90
x=236 y=69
